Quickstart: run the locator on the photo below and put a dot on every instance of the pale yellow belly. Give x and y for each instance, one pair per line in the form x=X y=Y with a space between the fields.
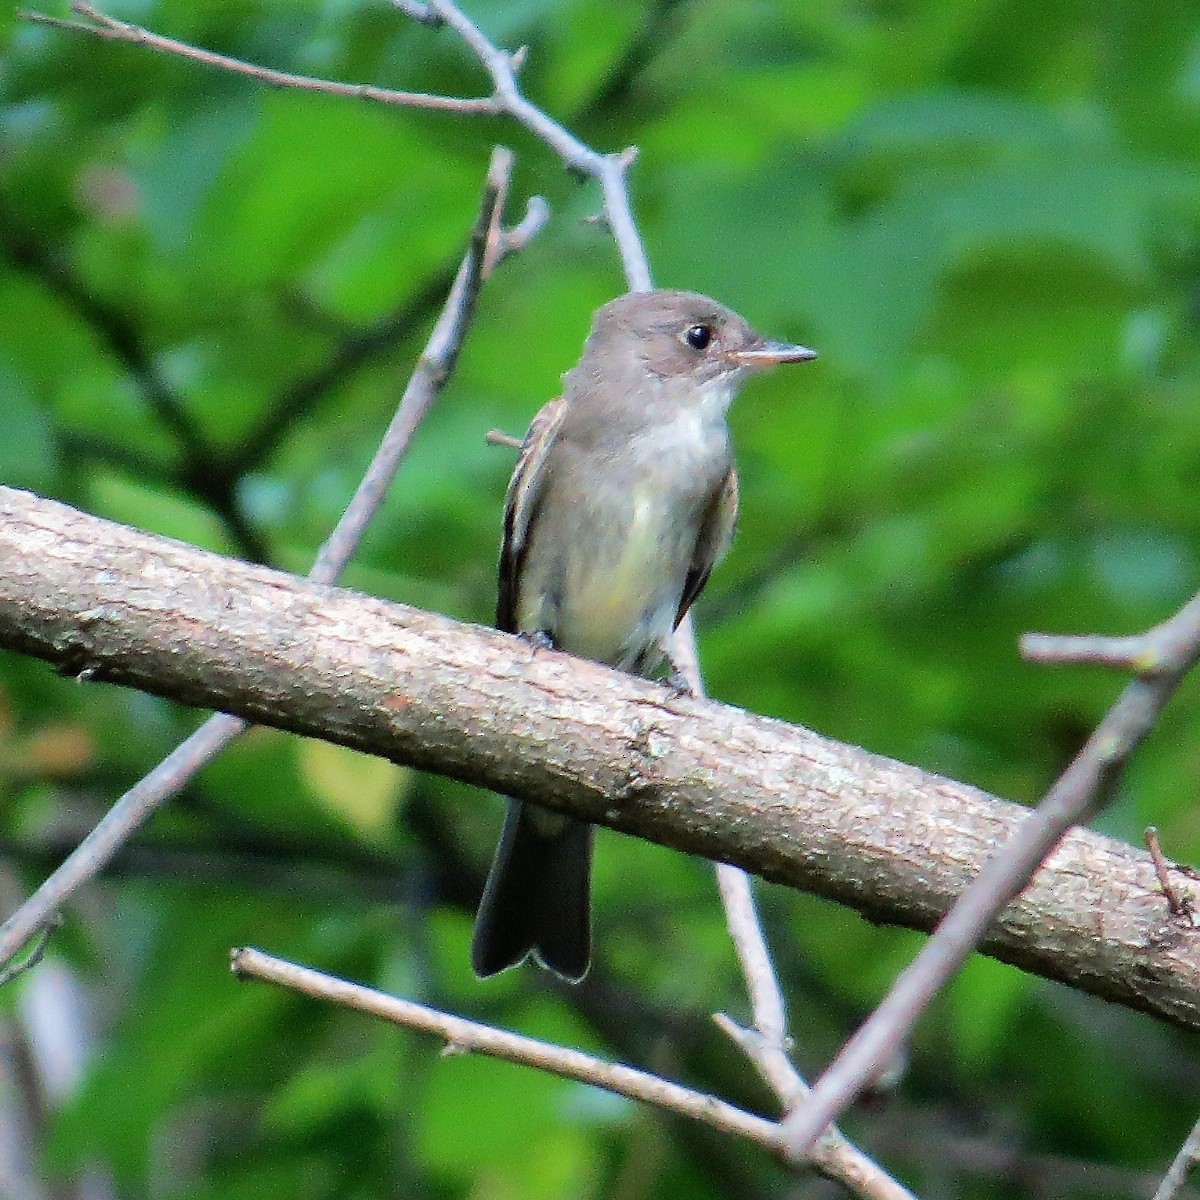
x=618 y=600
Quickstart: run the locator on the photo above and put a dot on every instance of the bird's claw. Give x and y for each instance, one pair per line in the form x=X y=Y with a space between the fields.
x=538 y=639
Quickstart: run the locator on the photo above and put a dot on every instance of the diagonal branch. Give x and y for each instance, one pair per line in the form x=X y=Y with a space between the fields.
x=778 y=800
x=1179 y=1171
x=132 y=810
x=460 y=1036
x=101 y=25
x=1163 y=656
x=608 y=170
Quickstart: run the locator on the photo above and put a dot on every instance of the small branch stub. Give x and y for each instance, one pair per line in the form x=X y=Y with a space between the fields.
x=1179 y=904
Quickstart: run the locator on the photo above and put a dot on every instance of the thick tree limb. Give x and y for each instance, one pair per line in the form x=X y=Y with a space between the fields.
x=892 y=841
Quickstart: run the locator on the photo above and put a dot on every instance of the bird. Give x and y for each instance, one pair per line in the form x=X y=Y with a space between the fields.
x=623 y=499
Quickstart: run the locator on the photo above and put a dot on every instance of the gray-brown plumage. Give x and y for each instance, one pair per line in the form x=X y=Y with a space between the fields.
x=622 y=501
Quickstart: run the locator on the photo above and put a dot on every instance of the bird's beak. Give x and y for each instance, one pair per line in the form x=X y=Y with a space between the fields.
x=771 y=354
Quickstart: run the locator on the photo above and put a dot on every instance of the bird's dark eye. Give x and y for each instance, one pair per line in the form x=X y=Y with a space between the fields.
x=698 y=336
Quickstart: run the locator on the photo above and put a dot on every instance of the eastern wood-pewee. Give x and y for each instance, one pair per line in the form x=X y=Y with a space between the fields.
x=624 y=498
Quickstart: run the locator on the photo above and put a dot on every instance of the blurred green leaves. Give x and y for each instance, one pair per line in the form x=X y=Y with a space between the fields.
x=984 y=215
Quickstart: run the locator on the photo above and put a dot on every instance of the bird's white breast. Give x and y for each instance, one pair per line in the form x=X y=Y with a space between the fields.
x=625 y=597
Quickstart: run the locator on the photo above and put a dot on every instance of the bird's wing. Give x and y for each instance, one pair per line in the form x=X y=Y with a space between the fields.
x=716 y=532
x=520 y=505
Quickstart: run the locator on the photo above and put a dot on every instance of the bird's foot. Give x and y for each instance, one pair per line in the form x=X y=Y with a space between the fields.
x=538 y=639
x=678 y=683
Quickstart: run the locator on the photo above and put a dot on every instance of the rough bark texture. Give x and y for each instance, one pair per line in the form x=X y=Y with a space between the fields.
x=892 y=841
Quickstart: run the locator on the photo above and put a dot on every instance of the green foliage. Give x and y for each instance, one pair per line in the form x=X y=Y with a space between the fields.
x=984 y=214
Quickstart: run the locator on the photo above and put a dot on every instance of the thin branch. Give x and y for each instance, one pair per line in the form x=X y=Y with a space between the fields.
x=418 y=10
x=766 y=1044
x=15 y=969
x=1168 y=652
x=1169 y=647
x=1120 y=653
x=461 y=1036
x=497 y=437
x=1178 y=904
x=1179 y=1170
x=172 y=774
x=537 y=213
x=607 y=169
x=101 y=25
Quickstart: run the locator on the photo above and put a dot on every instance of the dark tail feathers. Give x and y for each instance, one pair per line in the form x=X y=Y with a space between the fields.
x=537 y=896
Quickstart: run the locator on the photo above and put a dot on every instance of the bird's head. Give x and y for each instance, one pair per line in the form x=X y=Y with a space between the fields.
x=685 y=335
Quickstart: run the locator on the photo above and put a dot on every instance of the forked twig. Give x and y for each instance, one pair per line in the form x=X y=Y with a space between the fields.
x=461 y=1036
x=146 y=796
x=1162 y=657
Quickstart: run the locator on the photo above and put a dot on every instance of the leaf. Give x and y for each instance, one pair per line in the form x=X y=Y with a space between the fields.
x=360 y=789
x=27 y=457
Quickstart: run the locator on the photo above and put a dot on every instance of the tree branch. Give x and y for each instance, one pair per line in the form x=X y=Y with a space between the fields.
x=1162 y=657
x=507 y=99
x=834 y=1160
x=101 y=25
x=150 y=792
x=1179 y=1170
x=896 y=843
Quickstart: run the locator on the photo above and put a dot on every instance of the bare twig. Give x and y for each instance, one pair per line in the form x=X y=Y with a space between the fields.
x=1120 y=653
x=1178 y=905
x=15 y=969
x=1179 y=1170
x=537 y=213
x=766 y=1043
x=607 y=169
x=497 y=437
x=173 y=773
x=1165 y=654
x=419 y=11
x=462 y=1036
x=1169 y=647
x=101 y=25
